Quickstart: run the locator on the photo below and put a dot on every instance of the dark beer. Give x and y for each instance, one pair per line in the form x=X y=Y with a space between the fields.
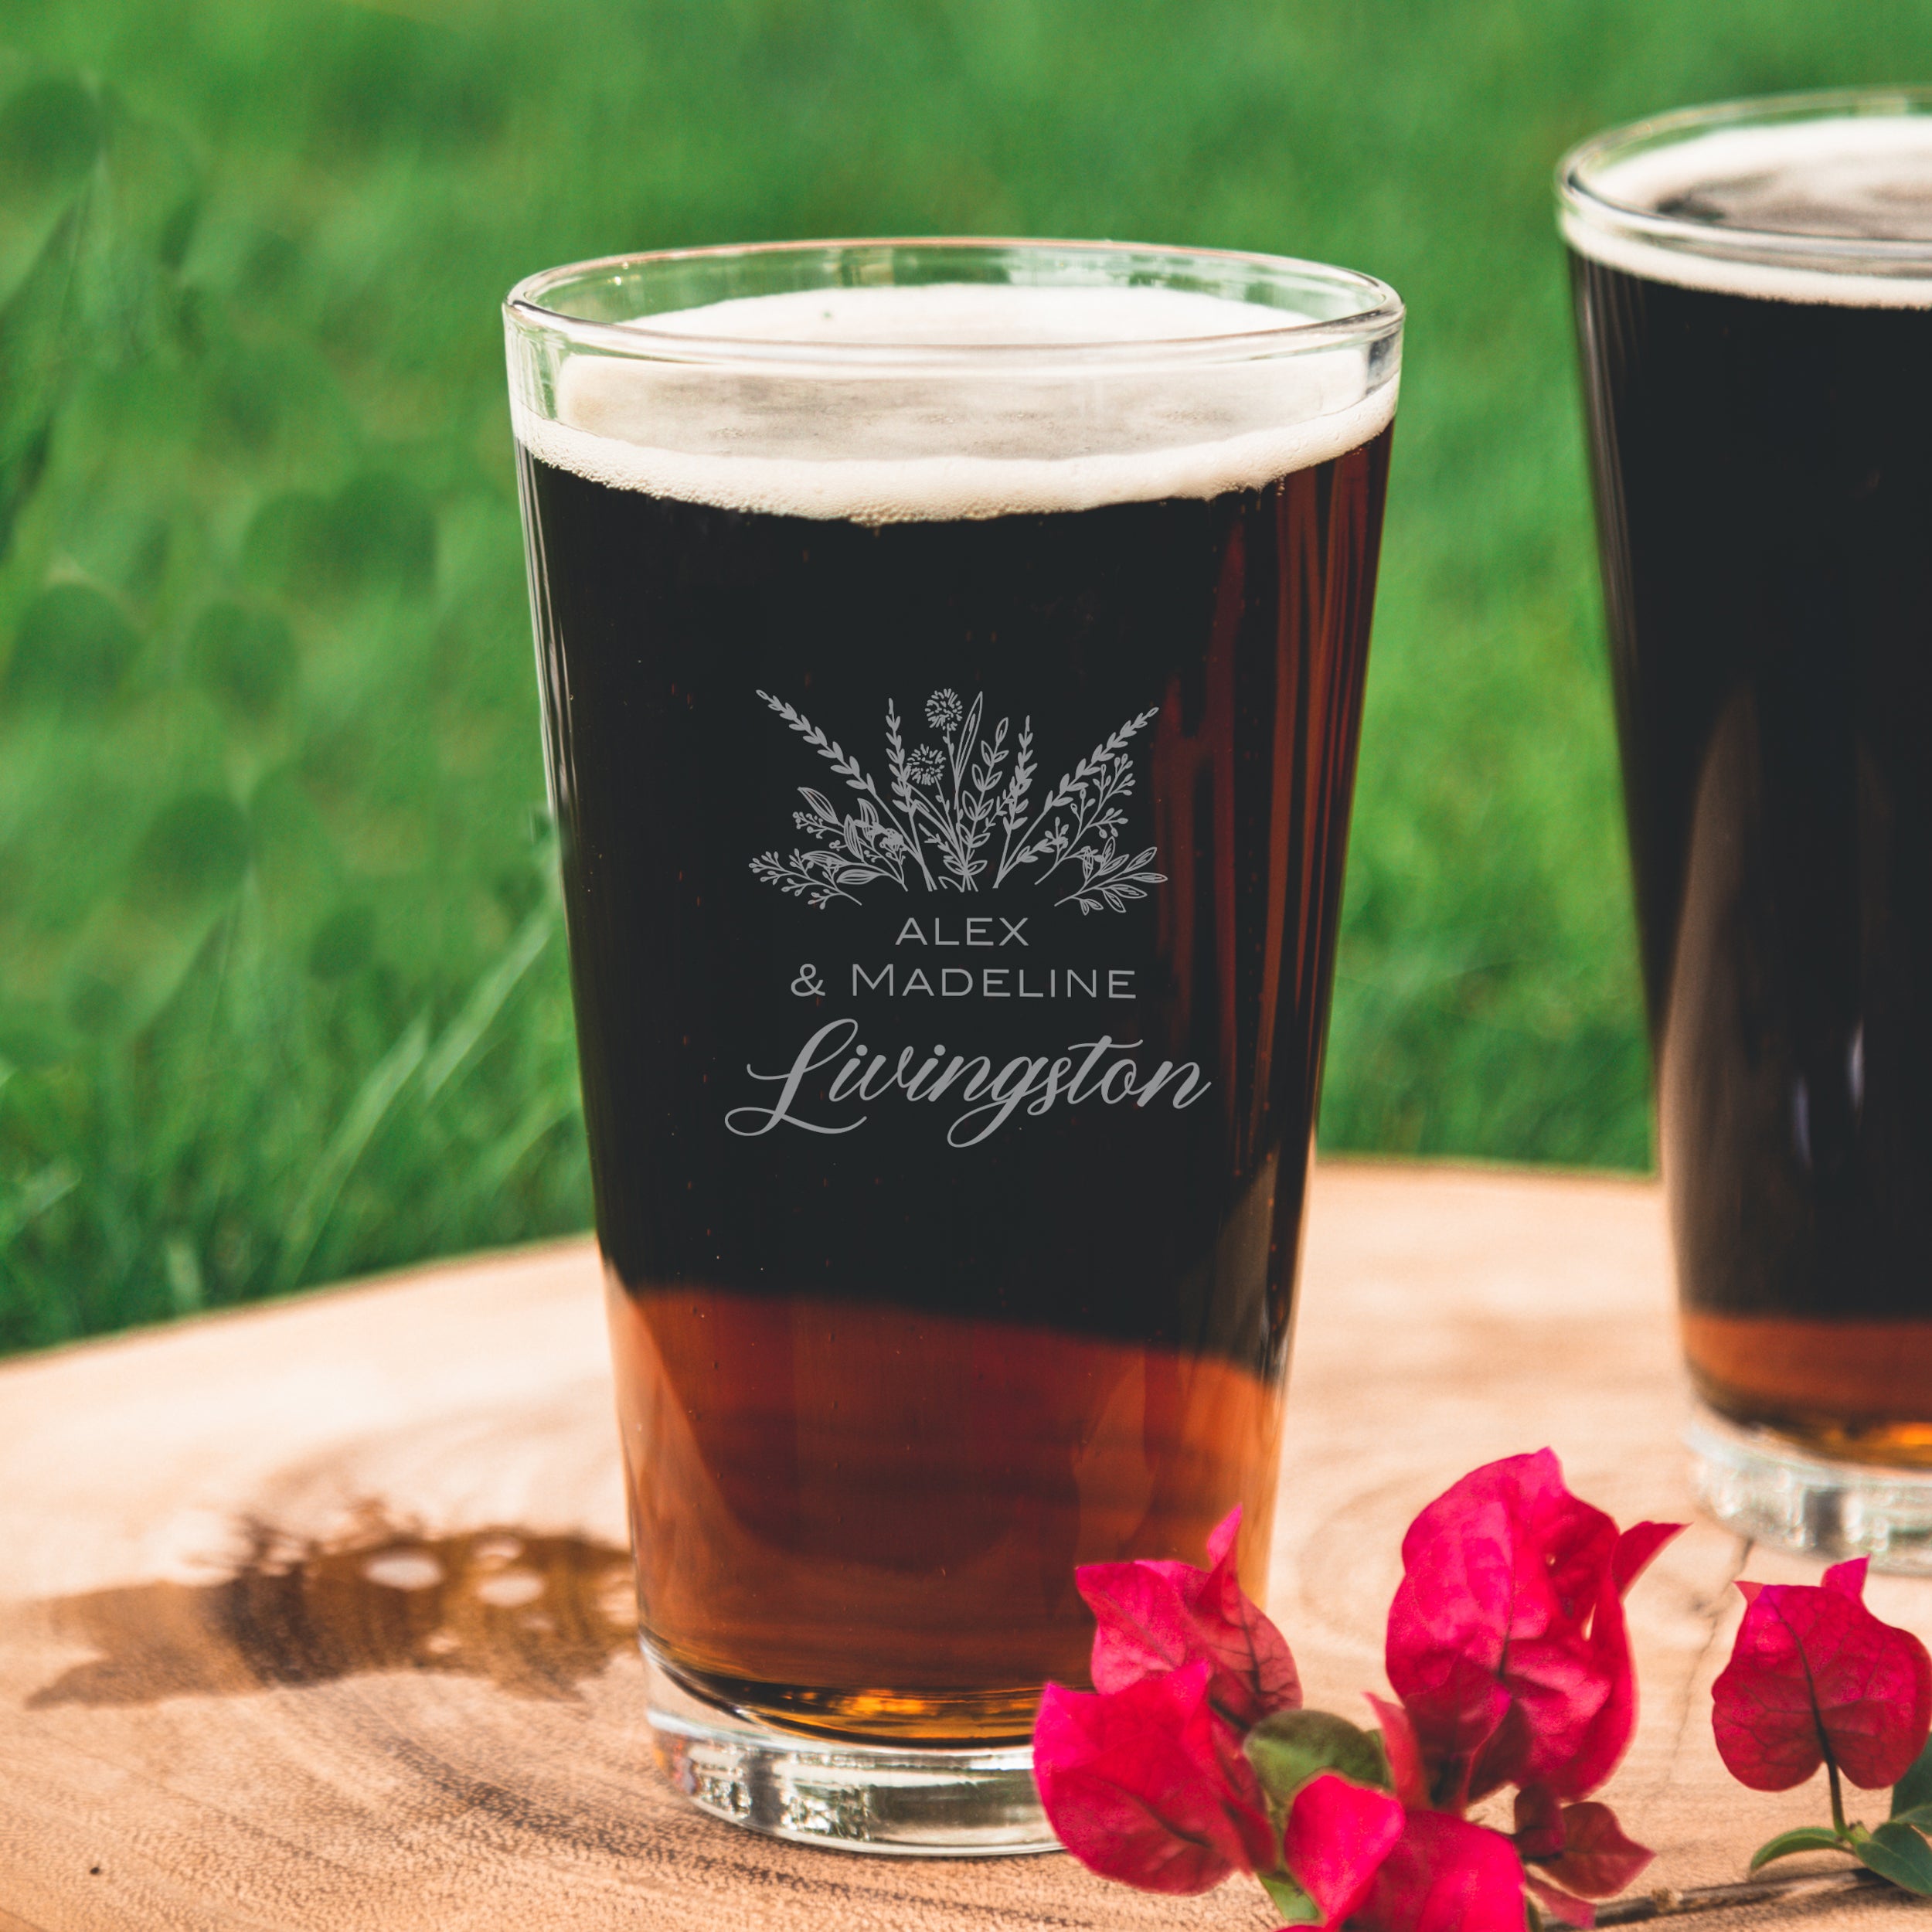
x=952 y=850
x=1761 y=420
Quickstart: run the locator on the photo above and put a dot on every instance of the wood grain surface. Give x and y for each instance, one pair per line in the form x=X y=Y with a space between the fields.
x=318 y=1616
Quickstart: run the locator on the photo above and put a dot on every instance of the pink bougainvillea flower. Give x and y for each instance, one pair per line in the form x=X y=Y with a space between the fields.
x=1539 y=1823
x=1607 y=1735
x=1508 y=1652
x=1445 y=1875
x=1598 y=1861
x=1561 y=1905
x=1155 y=1617
x=1635 y=1547
x=1814 y=1677
x=1506 y=1641
x=1136 y=1786
x=1404 y=1750
x=1334 y=1839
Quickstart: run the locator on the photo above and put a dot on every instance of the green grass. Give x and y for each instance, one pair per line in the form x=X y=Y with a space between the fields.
x=282 y=994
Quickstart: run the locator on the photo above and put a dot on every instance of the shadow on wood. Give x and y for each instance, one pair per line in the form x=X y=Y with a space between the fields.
x=534 y=1614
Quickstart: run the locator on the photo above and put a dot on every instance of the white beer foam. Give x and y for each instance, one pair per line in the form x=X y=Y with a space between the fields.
x=881 y=444
x=1855 y=176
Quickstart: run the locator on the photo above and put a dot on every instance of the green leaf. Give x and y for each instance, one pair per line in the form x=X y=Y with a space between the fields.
x=73 y=649
x=1292 y=1747
x=246 y=658
x=36 y=353
x=196 y=849
x=1914 y=1791
x=357 y=1128
x=387 y=526
x=466 y=1030
x=1288 y=1898
x=33 y=1036
x=1806 y=1838
x=379 y=535
x=50 y=132
x=343 y=943
x=1897 y=1853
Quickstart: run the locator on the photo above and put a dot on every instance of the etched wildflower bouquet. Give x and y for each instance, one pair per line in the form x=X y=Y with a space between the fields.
x=955 y=816
x=1193 y=1757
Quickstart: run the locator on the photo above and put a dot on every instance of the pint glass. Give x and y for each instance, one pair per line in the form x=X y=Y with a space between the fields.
x=1753 y=288
x=951 y=657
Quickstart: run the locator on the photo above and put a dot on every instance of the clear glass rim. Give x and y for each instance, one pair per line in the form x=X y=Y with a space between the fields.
x=528 y=309
x=1580 y=202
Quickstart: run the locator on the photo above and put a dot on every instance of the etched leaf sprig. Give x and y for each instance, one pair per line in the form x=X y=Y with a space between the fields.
x=1111 y=879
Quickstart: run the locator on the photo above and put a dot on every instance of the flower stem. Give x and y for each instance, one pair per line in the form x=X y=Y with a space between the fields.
x=1668 y=1903
x=1837 y=1798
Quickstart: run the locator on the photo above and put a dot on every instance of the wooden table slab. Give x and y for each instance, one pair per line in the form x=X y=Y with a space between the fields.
x=318 y=1617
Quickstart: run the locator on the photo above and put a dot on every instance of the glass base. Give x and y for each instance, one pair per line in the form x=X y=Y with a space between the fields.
x=1762 y=1486
x=974 y=1802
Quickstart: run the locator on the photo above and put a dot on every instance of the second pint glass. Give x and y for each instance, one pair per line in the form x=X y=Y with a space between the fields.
x=952 y=657
x=1754 y=300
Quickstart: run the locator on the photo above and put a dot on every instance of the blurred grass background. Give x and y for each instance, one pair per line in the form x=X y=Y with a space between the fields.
x=282 y=991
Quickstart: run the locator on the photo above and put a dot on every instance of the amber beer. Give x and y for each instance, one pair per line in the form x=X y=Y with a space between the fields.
x=954 y=777
x=1754 y=300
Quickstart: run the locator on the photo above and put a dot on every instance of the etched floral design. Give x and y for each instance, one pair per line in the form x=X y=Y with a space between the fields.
x=960 y=815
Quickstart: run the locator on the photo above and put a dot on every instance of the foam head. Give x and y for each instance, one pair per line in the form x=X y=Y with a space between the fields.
x=913 y=423
x=1778 y=209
